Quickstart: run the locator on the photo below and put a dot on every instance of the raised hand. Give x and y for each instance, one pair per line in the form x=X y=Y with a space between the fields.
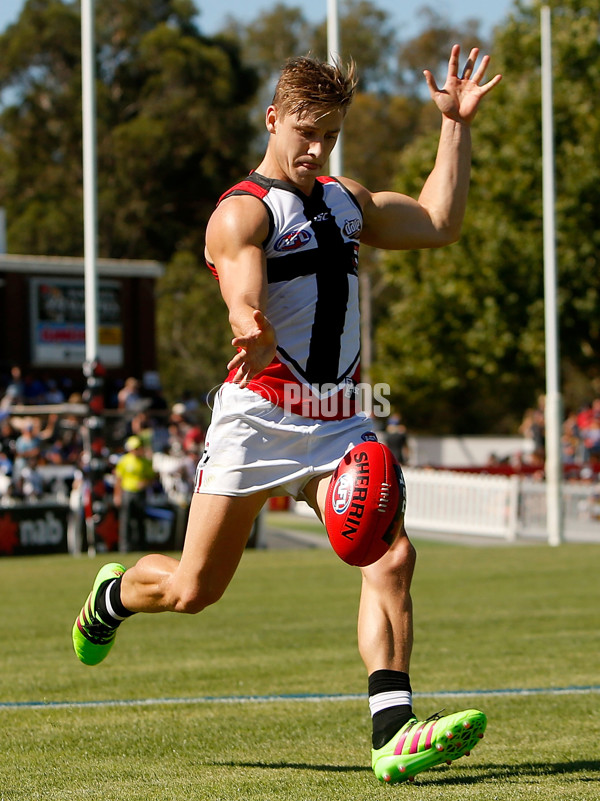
x=459 y=98
x=256 y=349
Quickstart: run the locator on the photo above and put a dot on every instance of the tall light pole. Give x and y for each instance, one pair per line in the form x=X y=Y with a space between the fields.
x=92 y=370
x=553 y=407
x=90 y=212
x=333 y=55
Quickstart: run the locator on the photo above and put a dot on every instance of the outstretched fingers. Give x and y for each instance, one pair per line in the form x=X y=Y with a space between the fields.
x=479 y=74
x=453 y=63
x=470 y=65
x=490 y=84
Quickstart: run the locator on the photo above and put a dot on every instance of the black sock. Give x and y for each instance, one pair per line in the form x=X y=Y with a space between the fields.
x=109 y=605
x=389 y=719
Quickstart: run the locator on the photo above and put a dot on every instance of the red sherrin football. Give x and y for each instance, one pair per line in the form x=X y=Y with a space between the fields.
x=365 y=498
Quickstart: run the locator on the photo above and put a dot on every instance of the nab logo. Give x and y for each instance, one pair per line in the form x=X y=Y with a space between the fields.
x=352 y=228
x=292 y=241
x=342 y=493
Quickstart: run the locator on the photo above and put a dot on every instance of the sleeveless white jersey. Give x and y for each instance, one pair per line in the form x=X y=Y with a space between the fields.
x=312 y=271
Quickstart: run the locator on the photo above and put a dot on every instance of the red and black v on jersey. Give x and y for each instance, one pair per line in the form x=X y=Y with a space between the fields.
x=312 y=271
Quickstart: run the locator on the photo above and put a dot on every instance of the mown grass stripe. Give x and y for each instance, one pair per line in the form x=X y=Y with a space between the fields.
x=301 y=697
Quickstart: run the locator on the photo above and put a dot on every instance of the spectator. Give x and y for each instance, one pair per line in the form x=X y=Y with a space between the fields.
x=129 y=396
x=27 y=447
x=591 y=439
x=141 y=426
x=15 y=391
x=6 y=467
x=190 y=404
x=30 y=483
x=8 y=436
x=133 y=476
x=396 y=437
x=533 y=428
x=34 y=390
x=53 y=393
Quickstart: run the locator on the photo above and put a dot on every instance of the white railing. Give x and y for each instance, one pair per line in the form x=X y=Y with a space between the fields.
x=496 y=506
x=441 y=500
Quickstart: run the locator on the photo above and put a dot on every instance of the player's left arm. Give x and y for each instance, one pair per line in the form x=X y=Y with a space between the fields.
x=395 y=221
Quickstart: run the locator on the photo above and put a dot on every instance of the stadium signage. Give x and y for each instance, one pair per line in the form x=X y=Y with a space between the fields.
x=27 y=530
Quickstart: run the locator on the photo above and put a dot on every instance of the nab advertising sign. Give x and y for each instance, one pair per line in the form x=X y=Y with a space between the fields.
x=34 y=529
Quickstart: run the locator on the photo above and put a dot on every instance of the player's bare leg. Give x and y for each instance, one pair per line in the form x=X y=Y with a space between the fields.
x=385 y=624
x=385 y=628
x=217 y=533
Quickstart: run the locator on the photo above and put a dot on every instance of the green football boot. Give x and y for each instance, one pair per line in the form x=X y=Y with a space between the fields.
x=420 y=745
x=92 y=638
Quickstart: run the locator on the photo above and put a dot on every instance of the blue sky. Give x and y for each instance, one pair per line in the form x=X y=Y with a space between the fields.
x=403 y=13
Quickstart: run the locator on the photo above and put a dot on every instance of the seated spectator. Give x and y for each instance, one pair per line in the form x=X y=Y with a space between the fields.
x=34 y=390
x=27 y=447
x=129 y=396
x=30 y=485
x=591 y=439
x=53 y=393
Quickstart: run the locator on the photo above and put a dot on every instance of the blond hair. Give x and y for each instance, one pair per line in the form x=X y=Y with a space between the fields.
x=306 y=84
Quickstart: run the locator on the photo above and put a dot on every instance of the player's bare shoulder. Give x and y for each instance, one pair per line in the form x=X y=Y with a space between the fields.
x=361 y=194
x=238 y=221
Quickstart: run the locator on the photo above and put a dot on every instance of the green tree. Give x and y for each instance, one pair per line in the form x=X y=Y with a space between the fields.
x=173 y=133
x=172 y=123
x=463 y=340
x=194 y=336
x=430 y=47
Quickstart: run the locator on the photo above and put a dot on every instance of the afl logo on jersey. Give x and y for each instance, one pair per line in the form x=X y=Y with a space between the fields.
x=292 y=240
x=352 y=228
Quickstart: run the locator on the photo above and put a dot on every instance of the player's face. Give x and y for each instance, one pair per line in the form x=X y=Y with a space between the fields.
x=302 y=145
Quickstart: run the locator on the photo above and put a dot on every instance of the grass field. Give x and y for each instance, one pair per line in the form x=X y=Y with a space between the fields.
x=493 y=618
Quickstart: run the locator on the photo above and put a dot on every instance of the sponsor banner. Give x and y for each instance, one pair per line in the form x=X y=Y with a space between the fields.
x=160 y=527
x=58 y=322
x=26 y=530
x=30 y=529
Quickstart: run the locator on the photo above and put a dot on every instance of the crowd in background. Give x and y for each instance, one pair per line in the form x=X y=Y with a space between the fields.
x=41 y=453
x=580 y=438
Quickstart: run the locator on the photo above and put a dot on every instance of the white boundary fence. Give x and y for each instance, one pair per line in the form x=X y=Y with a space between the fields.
x=496 y=506
x=440 y=500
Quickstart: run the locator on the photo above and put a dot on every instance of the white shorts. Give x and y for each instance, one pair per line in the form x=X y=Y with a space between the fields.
x=254 y=445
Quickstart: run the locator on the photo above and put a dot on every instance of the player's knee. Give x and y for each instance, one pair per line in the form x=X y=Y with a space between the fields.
x=192 y=599
x=399 y=562
x=405 y=555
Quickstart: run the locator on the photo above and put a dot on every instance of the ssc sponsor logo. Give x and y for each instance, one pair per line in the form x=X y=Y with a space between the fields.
x=352 y=228
x=292 y=240
x=342 y=494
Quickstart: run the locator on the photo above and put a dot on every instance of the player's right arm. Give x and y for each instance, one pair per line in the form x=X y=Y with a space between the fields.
x=234 y=238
